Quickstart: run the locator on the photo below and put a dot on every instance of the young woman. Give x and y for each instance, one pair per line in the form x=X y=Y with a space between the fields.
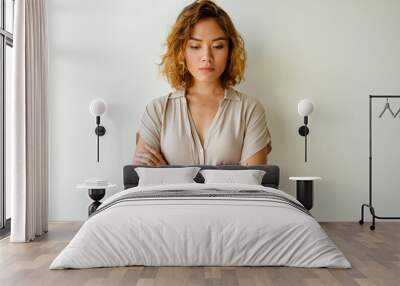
x=204 y=121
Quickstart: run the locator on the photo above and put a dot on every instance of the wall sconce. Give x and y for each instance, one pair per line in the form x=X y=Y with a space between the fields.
x=305 y=108
x=97 y=108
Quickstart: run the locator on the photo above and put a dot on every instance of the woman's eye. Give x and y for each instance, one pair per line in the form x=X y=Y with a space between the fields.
x=215 y=47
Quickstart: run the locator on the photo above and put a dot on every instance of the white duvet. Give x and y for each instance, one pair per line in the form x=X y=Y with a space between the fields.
x=200 y=231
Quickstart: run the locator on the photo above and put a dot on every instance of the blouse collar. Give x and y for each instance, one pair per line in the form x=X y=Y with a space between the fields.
x=229 y=93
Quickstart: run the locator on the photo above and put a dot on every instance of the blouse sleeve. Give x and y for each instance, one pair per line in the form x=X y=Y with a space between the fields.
x=257 y=135
x=150 y=123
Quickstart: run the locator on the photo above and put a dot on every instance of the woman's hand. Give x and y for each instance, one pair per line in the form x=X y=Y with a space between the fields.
x=148 y=156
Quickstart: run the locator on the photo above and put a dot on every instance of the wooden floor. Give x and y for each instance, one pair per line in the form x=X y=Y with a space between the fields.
x=375 y=257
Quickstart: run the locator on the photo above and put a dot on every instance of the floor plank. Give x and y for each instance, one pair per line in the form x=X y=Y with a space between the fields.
x=374 y=255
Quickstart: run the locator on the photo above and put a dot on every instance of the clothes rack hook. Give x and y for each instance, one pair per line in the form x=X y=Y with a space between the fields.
x=387 y=107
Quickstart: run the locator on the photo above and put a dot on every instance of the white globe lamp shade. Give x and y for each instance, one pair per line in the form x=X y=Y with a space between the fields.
x=97 y=107
x=305 y=107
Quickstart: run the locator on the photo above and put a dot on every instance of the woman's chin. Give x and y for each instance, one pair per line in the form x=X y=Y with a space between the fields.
x=207 y=79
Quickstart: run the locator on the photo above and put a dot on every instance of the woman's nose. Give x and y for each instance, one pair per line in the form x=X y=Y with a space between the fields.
x=207 y=56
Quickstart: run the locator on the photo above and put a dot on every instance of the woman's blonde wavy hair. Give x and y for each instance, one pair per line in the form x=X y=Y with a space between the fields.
x=173 y=65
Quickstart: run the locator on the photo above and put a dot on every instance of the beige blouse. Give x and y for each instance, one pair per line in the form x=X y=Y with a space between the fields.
x=238 y=130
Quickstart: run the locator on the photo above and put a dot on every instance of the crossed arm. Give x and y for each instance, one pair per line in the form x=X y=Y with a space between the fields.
x=146 y=155
x=259 y=158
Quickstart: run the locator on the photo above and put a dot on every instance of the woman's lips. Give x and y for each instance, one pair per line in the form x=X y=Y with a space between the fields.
x=206 y=69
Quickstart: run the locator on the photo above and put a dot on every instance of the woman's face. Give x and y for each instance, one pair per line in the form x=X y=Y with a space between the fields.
x=206 y=52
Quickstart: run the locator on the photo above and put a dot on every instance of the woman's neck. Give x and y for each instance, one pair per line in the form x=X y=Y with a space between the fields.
x=206 y=89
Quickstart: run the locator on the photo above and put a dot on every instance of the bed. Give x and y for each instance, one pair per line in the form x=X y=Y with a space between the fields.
x=198 y=224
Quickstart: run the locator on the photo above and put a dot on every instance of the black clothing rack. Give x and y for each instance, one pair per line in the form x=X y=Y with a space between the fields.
x=370 y=205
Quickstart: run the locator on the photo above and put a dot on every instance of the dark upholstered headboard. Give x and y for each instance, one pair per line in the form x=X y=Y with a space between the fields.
x=271 y=177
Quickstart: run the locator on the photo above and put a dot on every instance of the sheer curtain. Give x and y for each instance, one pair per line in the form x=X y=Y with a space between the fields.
x=28 y=148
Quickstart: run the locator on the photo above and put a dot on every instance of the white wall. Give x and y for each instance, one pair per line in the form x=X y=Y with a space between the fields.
x=333 y=52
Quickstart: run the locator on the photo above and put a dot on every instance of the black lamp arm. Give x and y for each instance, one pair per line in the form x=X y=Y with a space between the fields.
x=100 y=131
x=303 y=131
x=305 y=120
